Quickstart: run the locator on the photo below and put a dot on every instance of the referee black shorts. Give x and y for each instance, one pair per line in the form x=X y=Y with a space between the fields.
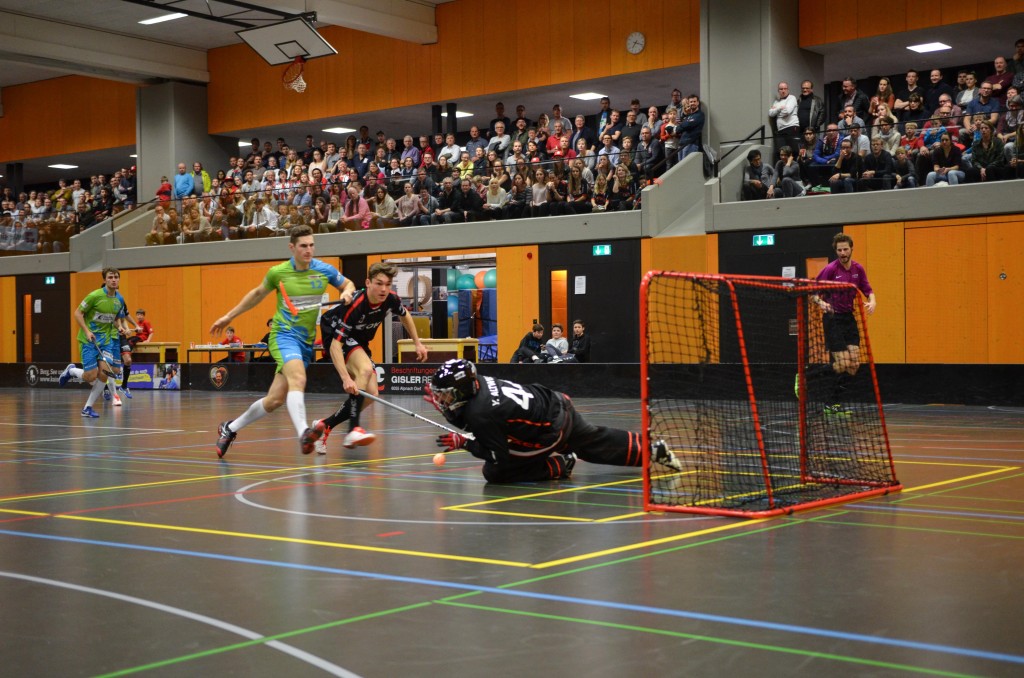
x=840 y=331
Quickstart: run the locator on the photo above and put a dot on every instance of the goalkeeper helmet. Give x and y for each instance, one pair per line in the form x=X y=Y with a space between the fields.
x=452 y=385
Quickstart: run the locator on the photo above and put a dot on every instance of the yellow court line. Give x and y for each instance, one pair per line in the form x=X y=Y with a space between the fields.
x=292 y=540
x=549 y=493
x=527 y=515
x=645 y=544
x=24 y=513
x=961 y=479
x=949 y=463
x=624 y=516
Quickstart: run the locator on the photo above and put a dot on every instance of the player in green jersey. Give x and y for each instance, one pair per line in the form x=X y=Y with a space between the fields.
x=100 y=318
x=291 y=336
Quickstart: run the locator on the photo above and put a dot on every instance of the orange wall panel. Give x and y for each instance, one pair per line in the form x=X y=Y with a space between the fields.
x=469 y=59
x=813 y=19
x=922 y=14
x=956 y=11
x=1005 y=274
x=873 y=15
x=842 y=21
x=66 y=115
x=947 y=314
x=880 y=249
x=8 y=320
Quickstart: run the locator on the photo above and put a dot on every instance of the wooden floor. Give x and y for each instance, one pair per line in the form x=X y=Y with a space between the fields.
x=127 y=547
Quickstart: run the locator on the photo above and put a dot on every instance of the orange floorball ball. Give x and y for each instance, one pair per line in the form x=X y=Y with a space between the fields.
x=439 y=459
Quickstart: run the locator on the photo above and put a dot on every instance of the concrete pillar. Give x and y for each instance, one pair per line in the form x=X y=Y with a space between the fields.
x=746 y=49
x=171 y=127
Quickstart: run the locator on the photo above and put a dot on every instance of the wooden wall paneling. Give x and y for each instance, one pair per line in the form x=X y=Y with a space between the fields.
x=956 y=11
x=813 y=20
x=8 y=320
x=994 y=8
x=1004 y=271
x=922 y=14
x=877 y=17
x=591 y=56
x=947 y=294
x=841 y=22
x=223 y=286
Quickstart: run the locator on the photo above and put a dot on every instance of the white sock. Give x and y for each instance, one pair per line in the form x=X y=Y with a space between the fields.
x=97 y=389
x=112 y=387
x=255 y=412
x=76 y=372
x=296 y=404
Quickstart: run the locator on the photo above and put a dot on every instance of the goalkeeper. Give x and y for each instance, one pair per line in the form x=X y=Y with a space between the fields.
x=527 y=432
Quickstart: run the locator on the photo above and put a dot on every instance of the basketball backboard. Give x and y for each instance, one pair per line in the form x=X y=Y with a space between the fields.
x=281 y=43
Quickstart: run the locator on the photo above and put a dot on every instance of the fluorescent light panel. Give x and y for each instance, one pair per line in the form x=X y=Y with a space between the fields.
x=458 y=114
x=338 y=130
x=62 y=166
x=161 y=19
x=586 y=96
x=929 y=47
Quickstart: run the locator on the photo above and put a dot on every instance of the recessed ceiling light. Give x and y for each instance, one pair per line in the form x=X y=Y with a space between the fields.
x=337 y=130
x=243 y=143
x=161 y=19
x=929 y=47
x=133 y=156
x=587 y=96
x=62 y=166
x=458 y=114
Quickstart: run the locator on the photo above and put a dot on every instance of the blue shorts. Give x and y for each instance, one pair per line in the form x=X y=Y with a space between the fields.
x=287 y=347
x=111 y=353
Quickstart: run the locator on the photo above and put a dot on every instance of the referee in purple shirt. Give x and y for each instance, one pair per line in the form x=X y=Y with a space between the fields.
x=842 y=337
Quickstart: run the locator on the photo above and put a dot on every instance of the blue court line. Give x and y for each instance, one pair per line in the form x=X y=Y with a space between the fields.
x=909 y=508
x=682 y=614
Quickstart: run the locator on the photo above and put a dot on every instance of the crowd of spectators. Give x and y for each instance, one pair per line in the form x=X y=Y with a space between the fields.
x=43 y=221
x=510 y=169
x=940 y=134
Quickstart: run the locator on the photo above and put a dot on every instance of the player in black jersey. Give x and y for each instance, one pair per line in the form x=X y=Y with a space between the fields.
x=527 y=432
x=346 y=331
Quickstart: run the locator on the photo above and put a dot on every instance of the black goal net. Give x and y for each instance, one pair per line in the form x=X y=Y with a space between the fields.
x=740 y=384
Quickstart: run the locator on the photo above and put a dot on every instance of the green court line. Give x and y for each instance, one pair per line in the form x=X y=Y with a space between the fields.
x=717 y=640
x=944 y=507
x=259 y=641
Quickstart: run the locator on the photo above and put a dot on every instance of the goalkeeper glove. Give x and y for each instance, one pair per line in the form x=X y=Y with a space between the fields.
x=452 y=441
x=429 y=397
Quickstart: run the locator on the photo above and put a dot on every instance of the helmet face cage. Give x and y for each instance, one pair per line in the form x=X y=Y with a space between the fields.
x=453 y=385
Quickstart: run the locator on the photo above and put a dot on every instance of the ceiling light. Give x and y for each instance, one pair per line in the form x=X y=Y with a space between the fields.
x=133 y=156
x=161 y=19
x=587 y=96
x=242 y=143
x=62 y=166
x=338 y=130
x=458 y=114
x=929 y=47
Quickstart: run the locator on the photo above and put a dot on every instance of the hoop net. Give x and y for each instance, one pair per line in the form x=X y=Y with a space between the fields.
x=292 y=77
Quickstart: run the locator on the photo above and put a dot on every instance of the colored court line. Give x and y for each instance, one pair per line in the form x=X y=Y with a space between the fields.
x=293 y=540
x=714 y=639
x=940 y=483
x=570 y=600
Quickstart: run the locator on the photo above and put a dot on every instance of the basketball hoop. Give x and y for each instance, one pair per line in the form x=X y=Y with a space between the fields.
x=292 y=77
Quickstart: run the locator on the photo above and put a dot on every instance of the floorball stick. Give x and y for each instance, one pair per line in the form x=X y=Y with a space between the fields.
x=467 y=436
x=101 y=359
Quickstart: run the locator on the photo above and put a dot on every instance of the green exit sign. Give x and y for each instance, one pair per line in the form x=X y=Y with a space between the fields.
x=602 y=250
x=50 y=280
x=764 y=240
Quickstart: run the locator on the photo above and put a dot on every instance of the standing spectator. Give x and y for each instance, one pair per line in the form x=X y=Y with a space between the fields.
x=201 y=179
x=782 y=115
x=649 y=155
x=475 y=140
x=184 y=185
x=854 y=97
x=631 y=129
x=970 y=90
x=582 y=132
x=938 y=88
x=604 y=115
x=675 y=103
x=691 y=127
x=810 y=108
x=912 y=88
x=1016 y=63
x=914 y=112
x=500 y=142
x=758 y=178
x=499 y=116
x=1000 y=80
x=556 y=116
x=883 y=97
x=410 y=151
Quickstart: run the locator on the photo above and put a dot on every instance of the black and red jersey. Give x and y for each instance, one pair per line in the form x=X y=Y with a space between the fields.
x=357 y=322
x=510 y=419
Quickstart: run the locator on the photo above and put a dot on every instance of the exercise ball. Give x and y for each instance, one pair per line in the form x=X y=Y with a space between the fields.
x=453 y=305
x=491 y=279
x=453 y=278
x=465 y=282
x=479 y=279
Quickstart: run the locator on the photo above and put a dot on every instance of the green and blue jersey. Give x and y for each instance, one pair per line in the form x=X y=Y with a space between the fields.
x=303 y=287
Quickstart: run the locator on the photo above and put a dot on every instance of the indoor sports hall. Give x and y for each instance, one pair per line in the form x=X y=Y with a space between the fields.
x=823 y=388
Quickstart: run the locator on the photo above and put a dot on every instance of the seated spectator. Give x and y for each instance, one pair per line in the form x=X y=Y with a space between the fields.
x=357 y=214
x=577 y=196
x=758 y=178
x=877 y=169
x=805 y=155
x=825 y=153
x=987 y=160
x=846 y=170
x=886 y=131
x=884 y=97
x=970 y=90
x=622 y=190
x=787 y=175
x=914 y=112
x=848 y=118
x=579 y=347
x=984 y=107
x=1009 y=124
x=540 y=198
x=557 y=345
x=529 y=347
x=518 y=197
x=903 y=170
x=494 y=199
x=232 y=339
x=859 y=141
x=599 y=198
x=945 y=164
